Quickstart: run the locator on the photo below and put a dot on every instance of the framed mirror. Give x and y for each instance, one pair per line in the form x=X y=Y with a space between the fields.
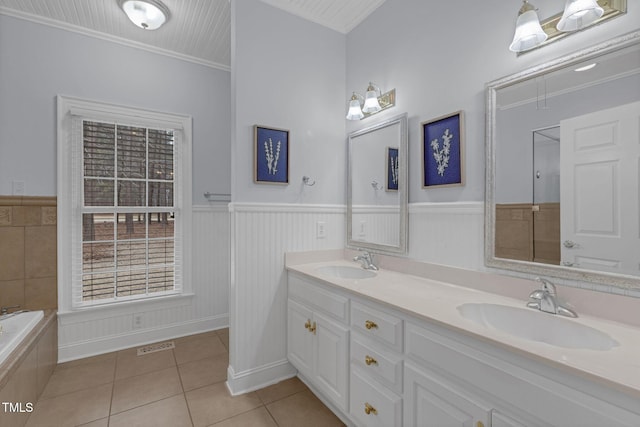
x=377 y=191
x=562 y=160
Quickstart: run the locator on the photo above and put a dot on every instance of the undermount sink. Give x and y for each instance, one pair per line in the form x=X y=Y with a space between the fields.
x=538 y=326
x=345 y=272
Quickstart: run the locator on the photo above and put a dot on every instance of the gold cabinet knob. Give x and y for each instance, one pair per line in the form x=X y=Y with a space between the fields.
x=479 y=424
x=312 y=328
x=370 y=360
x=307 y=324
x=370 y=324
x=368 y=409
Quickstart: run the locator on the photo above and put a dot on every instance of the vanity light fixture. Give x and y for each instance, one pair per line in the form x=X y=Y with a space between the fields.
x=529 y=33
x=578 y=14
x=373 y=102
x=146 y=14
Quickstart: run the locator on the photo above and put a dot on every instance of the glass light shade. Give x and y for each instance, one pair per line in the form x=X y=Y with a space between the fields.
x=371 y=104
x=148 y=15
x=355 y=113
x=578 y=14
x=529 y=33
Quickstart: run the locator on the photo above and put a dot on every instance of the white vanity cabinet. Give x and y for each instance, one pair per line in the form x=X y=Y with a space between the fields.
x=383 y=366
x=376 y=366
x=318 y=338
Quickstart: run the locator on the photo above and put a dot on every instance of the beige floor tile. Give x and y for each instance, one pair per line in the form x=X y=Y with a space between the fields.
x=79 y=377
x=87 y=360
x=129 y=364
x=281 y=390
x=104 y=422
x=211 y=404
x=129 y=393
x=72 y=409
x=302 y=409
x=224 y=336
x=171 y=412
x=257 y=418
x=200 y=348
x=204 y=371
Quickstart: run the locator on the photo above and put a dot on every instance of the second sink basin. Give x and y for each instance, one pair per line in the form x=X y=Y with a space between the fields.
x=345 y=272
x=535 y=325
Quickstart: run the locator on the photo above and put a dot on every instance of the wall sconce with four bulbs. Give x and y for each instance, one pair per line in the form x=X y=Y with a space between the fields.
x=578 y=14
x=373 y=102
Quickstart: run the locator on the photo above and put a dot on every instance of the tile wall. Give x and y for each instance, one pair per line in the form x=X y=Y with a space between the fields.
x=28 y=268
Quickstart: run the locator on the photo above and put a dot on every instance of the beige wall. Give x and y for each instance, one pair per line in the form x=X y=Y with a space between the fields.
x=28 y=269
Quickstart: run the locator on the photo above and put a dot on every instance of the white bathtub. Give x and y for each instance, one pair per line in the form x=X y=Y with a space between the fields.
x=14 y=329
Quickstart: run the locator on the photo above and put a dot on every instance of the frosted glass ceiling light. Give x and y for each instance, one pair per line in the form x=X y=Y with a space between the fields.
x=578 y=14
x=529 y=33
x=146 y=14
x=371 y=104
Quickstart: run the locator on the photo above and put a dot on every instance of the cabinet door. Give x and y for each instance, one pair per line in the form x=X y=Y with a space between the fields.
x=500 y=420
x=331 y=359
x=299 y=339
x=432 y=402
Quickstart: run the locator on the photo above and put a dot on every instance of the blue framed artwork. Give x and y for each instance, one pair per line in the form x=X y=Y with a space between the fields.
x=443 y=151
x=270 y=155
x=392 y=169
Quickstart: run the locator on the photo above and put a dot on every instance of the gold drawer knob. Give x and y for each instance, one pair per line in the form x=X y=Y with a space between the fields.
x=479 y=424
x=307 y=324
x=313 y=328
x=368 y=409
x=370 y=360
x=370 y=324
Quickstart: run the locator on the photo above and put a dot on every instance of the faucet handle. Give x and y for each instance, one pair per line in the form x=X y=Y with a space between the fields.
x=538 y=294
x=547 y=286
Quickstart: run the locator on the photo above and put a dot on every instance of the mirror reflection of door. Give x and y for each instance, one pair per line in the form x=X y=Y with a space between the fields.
x=546 y=195
x=600 y=158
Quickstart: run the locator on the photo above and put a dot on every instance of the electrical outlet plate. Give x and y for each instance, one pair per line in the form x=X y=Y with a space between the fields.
x=321 y=229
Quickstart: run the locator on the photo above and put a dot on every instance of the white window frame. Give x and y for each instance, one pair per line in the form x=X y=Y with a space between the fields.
x=70 y=111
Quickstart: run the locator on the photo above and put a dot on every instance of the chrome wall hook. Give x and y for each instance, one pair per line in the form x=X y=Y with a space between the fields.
x=305 y=181
x=376 y=186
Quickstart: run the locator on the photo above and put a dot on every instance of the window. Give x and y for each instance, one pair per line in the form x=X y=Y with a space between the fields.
x=126 y=200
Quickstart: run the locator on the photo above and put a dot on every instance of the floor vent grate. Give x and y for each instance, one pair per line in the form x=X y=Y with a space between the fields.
x=156 y=347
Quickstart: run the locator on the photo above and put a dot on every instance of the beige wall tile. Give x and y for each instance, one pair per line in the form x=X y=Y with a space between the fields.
x=5 y=215
x=41 y=293
x=40 y=251
x=12 y=293
x=47 y=353
x=49 y=215
x=26 y=215
x=12 y=253
x=21 y=388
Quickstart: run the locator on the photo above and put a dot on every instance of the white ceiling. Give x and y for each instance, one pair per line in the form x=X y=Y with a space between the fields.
x=198 y=30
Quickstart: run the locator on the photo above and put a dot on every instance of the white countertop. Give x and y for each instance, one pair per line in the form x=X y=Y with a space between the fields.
x=437 y=302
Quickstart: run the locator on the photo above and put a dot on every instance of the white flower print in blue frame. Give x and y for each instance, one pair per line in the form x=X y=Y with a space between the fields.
x=270 y=155
x=392 y=169
x=443 y=151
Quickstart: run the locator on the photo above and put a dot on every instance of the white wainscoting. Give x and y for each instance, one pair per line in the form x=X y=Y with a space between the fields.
x=95 y=331
x=378 y=224
x=261 y=234
x=447 y=233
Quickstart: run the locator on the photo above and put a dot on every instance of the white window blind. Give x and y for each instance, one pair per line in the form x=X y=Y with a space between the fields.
x=127 y=205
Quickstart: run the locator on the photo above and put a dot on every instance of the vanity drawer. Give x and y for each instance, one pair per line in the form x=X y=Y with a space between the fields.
x=378 y=325
x=371 y=404
x=377 y=362
x=327 y=302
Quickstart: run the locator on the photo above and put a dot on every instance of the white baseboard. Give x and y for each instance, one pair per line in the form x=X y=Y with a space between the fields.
x=138 y=337
x=255 y=379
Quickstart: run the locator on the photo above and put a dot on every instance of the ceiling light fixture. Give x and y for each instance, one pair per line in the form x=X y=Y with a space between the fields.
x=579 y=14
x=529 y=33
x=373 y=102
x=146 y=14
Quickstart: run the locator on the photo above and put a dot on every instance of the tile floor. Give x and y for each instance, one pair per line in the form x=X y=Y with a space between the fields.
x=174 y=388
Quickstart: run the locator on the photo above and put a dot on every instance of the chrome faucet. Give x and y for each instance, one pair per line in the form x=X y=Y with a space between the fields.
x=366 y=259
x=545 y=299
